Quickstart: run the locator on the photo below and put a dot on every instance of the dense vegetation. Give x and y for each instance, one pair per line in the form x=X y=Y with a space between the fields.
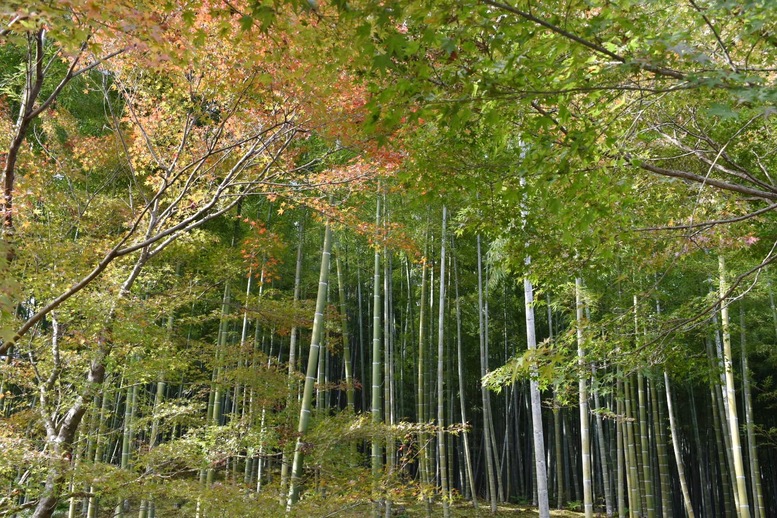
x=341 y=258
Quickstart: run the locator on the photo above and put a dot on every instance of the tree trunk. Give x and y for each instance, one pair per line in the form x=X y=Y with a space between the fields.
x=377 y=365
x=676 y=447
x=443 y=461
x=349 y=391
x=743 y=510
x=585 y=439
x=61 y=437
x=644 y=424
x=423 y=458
x=620 y=449
x=608 y=503
x=665 y=501
x=292 y=367
x=362 y=352
x=462 y=403
x=536 y=406
x=663 y=459
x=315 y=347
x=388 y=359
x=705 y=504
x=91 y=508
x=490 y=427
x=31 y=105
x=635 y=502
x=558 y=448
x=721 y=435
x=216 y=395
x=128 y=436
x=755 y=470
x=490 y=477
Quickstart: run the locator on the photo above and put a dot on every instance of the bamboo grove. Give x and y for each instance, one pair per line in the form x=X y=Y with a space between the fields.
x=387 y=259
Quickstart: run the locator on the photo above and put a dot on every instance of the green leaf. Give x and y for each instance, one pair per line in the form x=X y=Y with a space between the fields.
x=246 y=22
x=723 y=111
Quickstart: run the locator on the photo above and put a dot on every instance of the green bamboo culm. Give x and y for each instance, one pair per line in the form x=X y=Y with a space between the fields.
x=443 y=463
x=376 y=453
x=310 y=376
x=585 y=439
x=743 y=507
x=349 y=389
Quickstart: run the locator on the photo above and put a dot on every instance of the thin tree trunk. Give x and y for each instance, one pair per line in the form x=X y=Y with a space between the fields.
x=423 y=461
x=71 y=511
x=705 y=507
x=491 y=428
x=91 y=508
x=320 y=381
x=722 y=440
x=245 y=357
x=216 y=390
x=667 y=509
x=146 y=506
x=558 y=448
x=644 y=446
x=773 y=306
x=755 y=470
x=511 y=433
x=349 y=391
x=733 y=422
x=573 y=463
x=377 y=365
x=315 y=347
x=585 y=440
x=536 y=405
x=443 y=461
x=362 y=359
x=462 y=404
x=647 y=474
x=490 y=477
x=663 y=458
x=635 y=502
x=608 y=503
x=605 y=465
x=619 y=446
x=676 y=447
x=239 y=391
x=128 y=436
x=388 y=402
x=292 y=367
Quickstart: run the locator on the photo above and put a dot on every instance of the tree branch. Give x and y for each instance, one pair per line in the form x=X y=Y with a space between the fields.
x=661 y=71
x=717 y=35
x=72 y=73
x=706 y=224
x=720 y=184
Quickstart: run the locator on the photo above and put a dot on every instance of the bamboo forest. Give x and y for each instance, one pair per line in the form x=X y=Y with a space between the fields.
x=388 y=258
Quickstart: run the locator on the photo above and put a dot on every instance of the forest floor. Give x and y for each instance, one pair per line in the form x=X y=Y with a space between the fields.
x=503 y=510
x=460 y=510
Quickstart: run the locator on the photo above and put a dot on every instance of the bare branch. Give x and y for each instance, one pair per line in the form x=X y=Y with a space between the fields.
x=689 y=323
x=661 y=71
x=727 y=186
x=707 y=224
x=717 y=35
x=70 y=75
x=701 y=155
x=17 y=18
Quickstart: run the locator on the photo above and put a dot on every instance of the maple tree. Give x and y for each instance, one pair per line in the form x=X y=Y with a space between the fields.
x=189 y=137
